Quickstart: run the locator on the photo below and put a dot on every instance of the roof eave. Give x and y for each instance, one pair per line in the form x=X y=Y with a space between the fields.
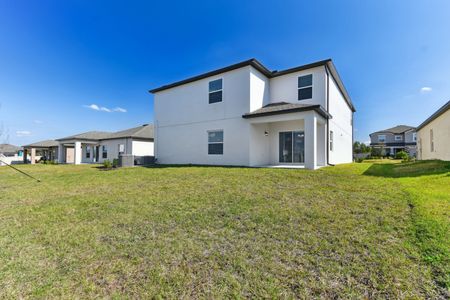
x=316 y=108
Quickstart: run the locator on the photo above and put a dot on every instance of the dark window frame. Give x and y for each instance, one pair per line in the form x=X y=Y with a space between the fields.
x=212 y=93
x=305 y=87
x=213 y=148
x=88 y=153
x=104 y=151
x=331 y=140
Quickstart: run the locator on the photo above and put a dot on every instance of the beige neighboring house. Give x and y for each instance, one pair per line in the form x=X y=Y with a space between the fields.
x=98 y=146
x=433 y=135
x=10 y=154
x=47 y=150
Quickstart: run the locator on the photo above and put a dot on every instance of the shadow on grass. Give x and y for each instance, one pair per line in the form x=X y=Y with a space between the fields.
x=409 y=169
x=160 y=166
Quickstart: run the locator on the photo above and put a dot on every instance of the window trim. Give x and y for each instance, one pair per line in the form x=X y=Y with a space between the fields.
x=331 y=140
x=104 y=151
x=305 y=87
x=379 y=141
x=221 y=90
x=431 y=140
x=398 y=136
x=223 y=141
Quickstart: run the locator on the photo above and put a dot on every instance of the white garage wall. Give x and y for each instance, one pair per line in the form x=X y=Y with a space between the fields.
x=142 y=148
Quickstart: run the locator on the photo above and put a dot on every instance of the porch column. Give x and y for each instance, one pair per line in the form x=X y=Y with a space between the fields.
x=77 y=153
x=311 y=141
x=25 y=154
x=61 y=158
x=33 y=156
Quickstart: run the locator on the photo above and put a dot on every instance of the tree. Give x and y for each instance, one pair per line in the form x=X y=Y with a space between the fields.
x=359 y=147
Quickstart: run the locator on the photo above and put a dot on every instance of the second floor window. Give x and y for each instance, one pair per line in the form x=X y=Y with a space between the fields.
x=215 y=91
x=305 y=87
x=88 y=151
x=104 y=152
x=215 y=142
x=398 y=138
x=381 y=138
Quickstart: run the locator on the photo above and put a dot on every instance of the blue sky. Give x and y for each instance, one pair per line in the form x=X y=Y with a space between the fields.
x=59 y=57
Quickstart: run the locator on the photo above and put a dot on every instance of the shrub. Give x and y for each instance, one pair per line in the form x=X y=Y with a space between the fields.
x=107 y=164
x=402 y=155
x=115 y=163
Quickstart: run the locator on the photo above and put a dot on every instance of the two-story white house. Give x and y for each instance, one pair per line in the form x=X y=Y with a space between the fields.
x=247 y=115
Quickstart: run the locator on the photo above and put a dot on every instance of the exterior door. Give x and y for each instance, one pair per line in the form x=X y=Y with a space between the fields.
x=292 y=147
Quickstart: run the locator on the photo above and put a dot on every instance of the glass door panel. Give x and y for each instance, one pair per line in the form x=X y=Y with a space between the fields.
x=285 y=151
x=299 y=147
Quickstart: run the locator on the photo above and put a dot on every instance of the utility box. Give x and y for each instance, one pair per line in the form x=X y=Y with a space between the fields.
x=126 y=160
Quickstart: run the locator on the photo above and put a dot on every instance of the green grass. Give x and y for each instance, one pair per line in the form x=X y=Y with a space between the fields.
x=360 y=230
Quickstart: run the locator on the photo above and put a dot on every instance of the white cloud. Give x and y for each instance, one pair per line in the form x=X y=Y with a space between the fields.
x=21 y=133
x=105 y=109
x=93 y=107
x=120 y=109
x=426 y=89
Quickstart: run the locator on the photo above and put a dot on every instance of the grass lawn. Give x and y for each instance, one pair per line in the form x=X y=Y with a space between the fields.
x=371 y=230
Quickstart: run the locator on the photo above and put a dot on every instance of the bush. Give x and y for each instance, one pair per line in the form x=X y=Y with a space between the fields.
x=107 y=164
x=402 y=155
x=115 y=163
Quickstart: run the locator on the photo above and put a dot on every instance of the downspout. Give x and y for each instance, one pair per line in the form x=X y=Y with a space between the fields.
x=328 y=120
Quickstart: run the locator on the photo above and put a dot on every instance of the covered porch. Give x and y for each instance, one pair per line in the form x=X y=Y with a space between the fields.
x=292 y=135
x=43 y=150
x=78 y=152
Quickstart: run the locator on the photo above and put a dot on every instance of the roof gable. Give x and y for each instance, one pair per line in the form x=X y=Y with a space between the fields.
x=327 y=63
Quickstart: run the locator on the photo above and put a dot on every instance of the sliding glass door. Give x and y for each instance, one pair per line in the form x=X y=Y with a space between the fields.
x=292 y=147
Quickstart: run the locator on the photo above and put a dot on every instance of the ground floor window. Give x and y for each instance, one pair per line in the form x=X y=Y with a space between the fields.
x=331 y=140
x=215 y=142
x=88 y=151
x=104 y=151
x=121 y=148
x=292 y=147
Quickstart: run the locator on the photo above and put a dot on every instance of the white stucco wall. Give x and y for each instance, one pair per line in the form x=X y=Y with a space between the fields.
x=183 y=116
x=259 y=90
x=340 y=124
x=285 y=88
x=441 y=138
x=142 y=148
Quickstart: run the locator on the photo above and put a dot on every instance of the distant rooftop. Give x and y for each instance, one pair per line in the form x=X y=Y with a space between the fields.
x=9 y=149
x=396 y=130
x=144 y=132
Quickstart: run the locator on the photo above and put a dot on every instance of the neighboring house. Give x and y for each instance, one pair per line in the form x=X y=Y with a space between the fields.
x=47 y=150
x=98 y=146
x=395 y=139
x=10 y=154
x=247 y=115
x=434 y=135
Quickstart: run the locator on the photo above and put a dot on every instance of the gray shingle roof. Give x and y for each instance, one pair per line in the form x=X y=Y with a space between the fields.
x=283 y=108
x=396 y=130
x=43 y=144
x=143 y=132
x=90 y=135
x=439 y=112
x=8 y=149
